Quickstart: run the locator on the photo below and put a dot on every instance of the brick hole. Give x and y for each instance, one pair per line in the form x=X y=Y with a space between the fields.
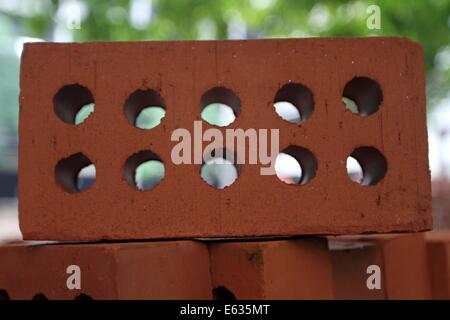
x=220 y=168
x=295 y=165
x=294 y=103
x=75 y=173
x=144 y=170
x=84 y=113
x=354 y=170
x=83 y=296
x=73 y=104
x=362 y=96
x=145 y=109
x=219 y=106
x=372 y=164
x=222 y=293
x=40 y=296
x=4 y=295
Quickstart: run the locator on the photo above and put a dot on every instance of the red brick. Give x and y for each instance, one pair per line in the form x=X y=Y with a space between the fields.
x=156 y=270
x=401 y=258
x=183 y=205
x=296 y=269
x=438 y=245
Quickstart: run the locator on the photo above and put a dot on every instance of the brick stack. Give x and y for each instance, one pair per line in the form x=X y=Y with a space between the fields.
x=383 y=76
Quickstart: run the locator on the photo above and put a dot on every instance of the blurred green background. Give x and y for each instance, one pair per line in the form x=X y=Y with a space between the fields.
x=427 y=22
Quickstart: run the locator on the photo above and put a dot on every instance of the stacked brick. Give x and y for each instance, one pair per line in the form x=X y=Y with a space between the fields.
x=402 y=260
x=412 y=266
x=439 y=264
x=387 y=136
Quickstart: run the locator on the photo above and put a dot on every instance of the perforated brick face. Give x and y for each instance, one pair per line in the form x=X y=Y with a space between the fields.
x=388 y=138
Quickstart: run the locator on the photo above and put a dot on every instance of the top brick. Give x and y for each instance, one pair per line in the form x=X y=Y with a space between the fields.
x=383 y=128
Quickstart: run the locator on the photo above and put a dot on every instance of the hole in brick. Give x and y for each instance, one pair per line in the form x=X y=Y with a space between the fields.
x=294 y=103
x=86 y=177
x=222 y=293
x=150 y=117
x=287 y=111
x=350 y=105
x=84 y=113
x=83 y=296
x=362 y=96
x=144 y=170
x=75 y=173
x=73 y=104
x=220 y=106
x=40 y=296
x=4 y=295
x=295 y=165
x=354 y=170
x=145 y=109
x=219 y=169
x=372 y=164
x=218 y=114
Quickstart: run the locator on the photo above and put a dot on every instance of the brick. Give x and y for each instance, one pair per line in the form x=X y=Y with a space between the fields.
x=154 y=270
x=438 y=245
x=293 y=269
x=183 y=205
x=402 y=260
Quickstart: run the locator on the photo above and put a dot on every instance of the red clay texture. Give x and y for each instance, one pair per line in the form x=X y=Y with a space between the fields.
x=402 y=260
x=384 y=76
x=438 y=244
x=296 y=269
x=156 y=270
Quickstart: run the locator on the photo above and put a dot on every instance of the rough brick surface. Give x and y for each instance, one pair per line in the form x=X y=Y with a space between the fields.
x=438 y=244
x=183 y=205
x=296 y=269
x=157 y=270
x=401 y=258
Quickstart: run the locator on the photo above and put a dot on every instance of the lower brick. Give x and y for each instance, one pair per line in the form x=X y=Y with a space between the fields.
x=401 y=258
x=152 y=270
x=293 y=269
x=438 y=244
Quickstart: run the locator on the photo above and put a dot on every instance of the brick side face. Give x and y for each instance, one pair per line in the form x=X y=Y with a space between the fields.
x=402 y=260
x=183 y=205
x=159 y=270
x=298 y=269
